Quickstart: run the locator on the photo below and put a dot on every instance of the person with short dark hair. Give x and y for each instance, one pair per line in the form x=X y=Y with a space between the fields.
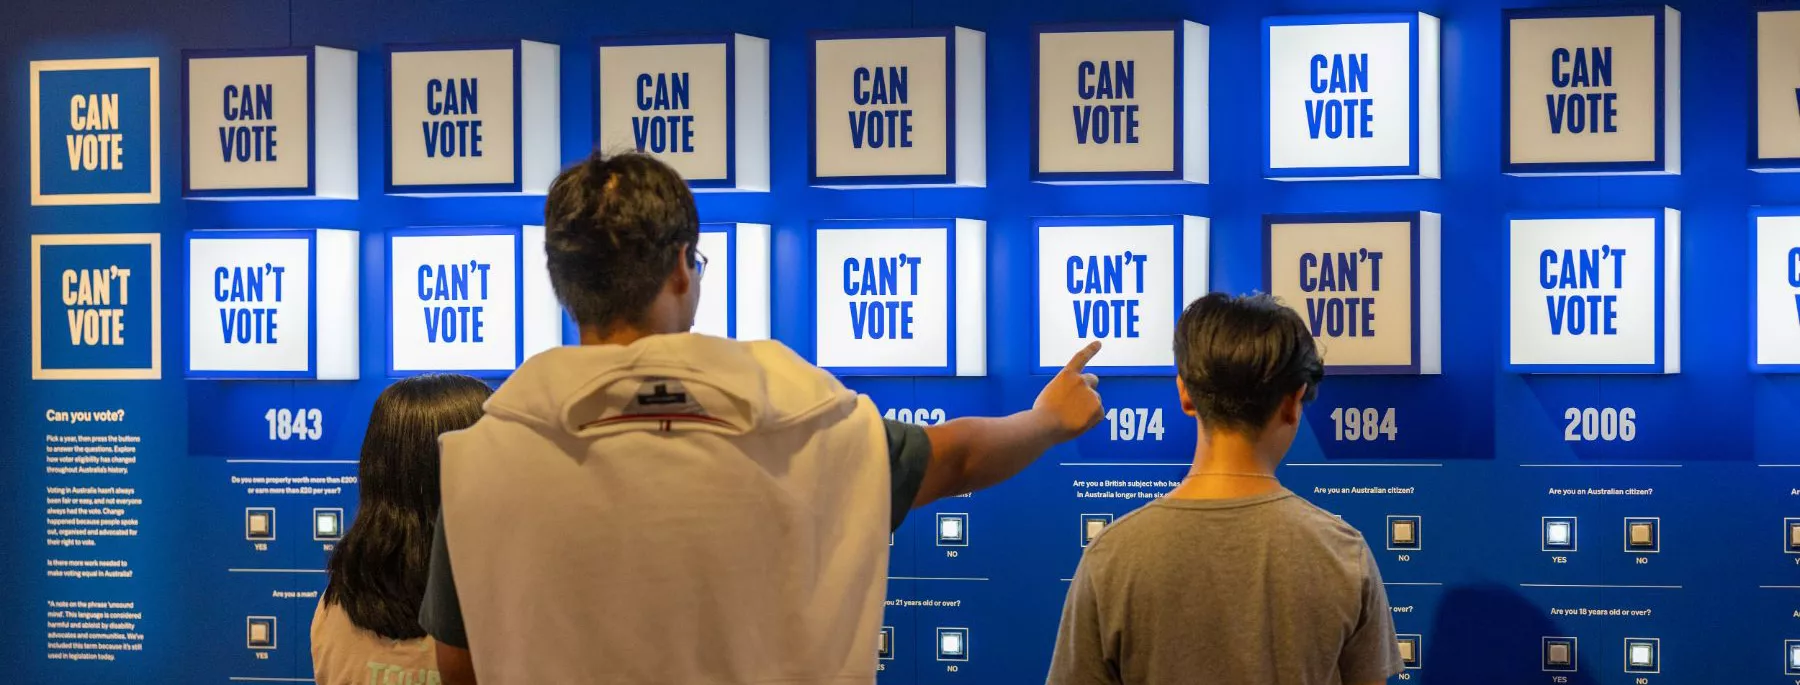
x=366 y=628
x=1231 y=578
x=655 y=506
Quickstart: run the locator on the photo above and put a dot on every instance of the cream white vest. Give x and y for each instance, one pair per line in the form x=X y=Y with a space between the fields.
x=685 y=510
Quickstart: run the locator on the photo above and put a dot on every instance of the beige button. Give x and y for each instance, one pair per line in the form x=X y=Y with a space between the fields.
x=1642 y=534
x=1406 y=650
x=259 y=633
x=1094 y=526
x=1559 y=654
x=1404 y=533
x=259 y=524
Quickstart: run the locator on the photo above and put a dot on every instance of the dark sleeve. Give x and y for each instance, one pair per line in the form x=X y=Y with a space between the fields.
x=441 y=614
x=909 y=453
x=1372 y=653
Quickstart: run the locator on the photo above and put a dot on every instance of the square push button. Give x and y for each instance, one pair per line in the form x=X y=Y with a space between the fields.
x=1792 y=649
x=1643 y=655
x=887 y=643
x=259 y=524
x=953 y=644
x=1643 y=535
x=1791 y=537
x=1092 y=525
x=1411 y=651
x=259 y=632
x=328 y=525
x=953 y=530
x=1559 y=534
x=1559 y=654
x=1405 y=532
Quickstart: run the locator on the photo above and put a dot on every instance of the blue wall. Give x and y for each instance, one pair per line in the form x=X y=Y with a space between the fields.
x=1474 y=592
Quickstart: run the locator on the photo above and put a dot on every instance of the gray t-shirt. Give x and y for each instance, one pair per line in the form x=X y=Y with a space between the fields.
x=1265 y=590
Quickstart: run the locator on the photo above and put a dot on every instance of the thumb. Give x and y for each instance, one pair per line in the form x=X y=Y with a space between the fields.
x=1079 y=362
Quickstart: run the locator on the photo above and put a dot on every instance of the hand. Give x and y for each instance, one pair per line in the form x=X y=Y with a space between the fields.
x=1070 y=403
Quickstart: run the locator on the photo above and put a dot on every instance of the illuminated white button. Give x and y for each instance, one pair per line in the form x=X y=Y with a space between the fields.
x=1557 y=533
x=952 y=530
x=328 y=524
x=1793 y=656
x=1641 y=655
x=953 y=644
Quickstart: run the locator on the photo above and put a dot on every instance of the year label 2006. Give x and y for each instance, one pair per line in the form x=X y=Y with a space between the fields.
x=1588 y=424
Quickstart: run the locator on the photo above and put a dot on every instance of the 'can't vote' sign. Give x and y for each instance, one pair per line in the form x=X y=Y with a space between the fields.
x=96 y=306
x=1777 y=303
x=1366 y=285
x=254 y=304
x=901 y=297
x=473 y=300
x=1596 y=293
x=1121 y=280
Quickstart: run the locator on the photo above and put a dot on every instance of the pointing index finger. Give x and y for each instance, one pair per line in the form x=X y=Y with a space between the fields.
x=1079 y=362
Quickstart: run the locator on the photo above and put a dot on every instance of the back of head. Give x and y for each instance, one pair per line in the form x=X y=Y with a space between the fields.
x=379 y=570
x=1240 y=357
x=615 y=227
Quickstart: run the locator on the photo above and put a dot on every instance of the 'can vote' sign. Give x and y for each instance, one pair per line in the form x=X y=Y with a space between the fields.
x=1367 y=286
x=473 y=119
x=1776 y=305
x=1775 y=113
x=1121 y=103
x=699 y=104
x=269 y=123
x=1351 y=97
x=1595 y=292
x=1592 y=92
x=96 y=306
x=1121 y=280
x=254 y=304
x=473 y=300
x=899 y=108
x=95 y=134
x=901 y=297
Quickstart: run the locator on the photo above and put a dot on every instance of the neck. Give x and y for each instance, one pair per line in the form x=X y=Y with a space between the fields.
x=622 y=334
x=1226 y=466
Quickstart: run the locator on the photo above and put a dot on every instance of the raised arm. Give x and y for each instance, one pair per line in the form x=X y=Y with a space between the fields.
x=970 y=454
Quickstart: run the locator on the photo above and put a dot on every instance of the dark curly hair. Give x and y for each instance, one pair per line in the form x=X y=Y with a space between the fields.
x=614 y=226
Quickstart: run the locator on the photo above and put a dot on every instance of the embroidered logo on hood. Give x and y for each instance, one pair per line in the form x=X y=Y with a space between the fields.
x=663 y=397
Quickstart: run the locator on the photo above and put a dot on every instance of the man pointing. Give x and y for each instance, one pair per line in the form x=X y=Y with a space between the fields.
x=655 y=506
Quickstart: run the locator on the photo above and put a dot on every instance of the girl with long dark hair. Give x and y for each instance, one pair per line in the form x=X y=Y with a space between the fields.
x=366 y=628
